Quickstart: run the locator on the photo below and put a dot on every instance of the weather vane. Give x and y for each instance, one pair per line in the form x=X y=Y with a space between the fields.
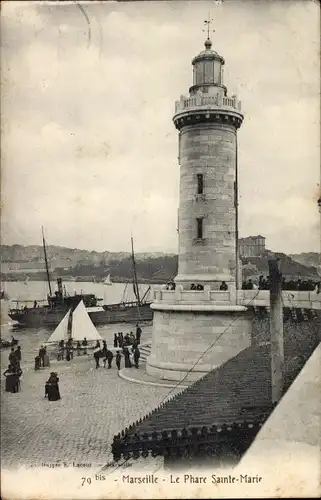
x=208 y=26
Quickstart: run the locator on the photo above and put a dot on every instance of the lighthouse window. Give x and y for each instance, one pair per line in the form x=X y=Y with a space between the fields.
x=200 y=183
x=199 y=228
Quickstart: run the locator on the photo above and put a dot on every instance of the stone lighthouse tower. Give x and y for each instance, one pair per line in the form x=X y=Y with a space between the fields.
x=197 y=314
x=207 y=122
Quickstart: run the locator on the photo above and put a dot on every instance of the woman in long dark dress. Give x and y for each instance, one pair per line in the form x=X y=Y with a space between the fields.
x=128 y=363
x=9 y=374
x=52 y=387
x=13 y=374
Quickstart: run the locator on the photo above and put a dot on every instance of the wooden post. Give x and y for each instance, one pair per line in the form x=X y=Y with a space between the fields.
x=276 y=330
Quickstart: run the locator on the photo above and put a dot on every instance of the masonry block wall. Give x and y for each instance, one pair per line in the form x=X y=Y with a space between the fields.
x=181 y=338
x=210 y=150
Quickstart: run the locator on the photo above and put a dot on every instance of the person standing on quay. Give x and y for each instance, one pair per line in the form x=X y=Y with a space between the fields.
x=69 y=349
x=115 y=340
x=118 y=359
x=18 y=355
x=85 y=344
x=97 y=354
x=109 y=357
x=104 y=349
x=128 y=363
x=136 y=356
x=46 y=358
x=138 y=333
x=61 y=348
x=104 y=352
x=12 y=357
x=13 y=374
x=52 y=387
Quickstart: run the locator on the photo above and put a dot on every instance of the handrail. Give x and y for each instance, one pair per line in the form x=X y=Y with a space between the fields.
x=201 y=100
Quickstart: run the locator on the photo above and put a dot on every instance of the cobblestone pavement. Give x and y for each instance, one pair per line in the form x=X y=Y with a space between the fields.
x=95 y=405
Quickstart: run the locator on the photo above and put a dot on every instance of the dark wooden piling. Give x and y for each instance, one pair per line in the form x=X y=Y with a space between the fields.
x=276 y=330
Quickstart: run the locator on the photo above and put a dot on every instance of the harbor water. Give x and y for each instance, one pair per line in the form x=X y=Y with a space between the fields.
x=30 y=339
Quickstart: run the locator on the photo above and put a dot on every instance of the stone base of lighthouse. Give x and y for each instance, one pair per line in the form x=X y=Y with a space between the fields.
x=189 y=340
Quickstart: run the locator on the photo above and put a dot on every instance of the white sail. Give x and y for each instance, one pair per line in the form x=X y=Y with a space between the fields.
x=107 y=281
x=82 y=325
x=61 y=332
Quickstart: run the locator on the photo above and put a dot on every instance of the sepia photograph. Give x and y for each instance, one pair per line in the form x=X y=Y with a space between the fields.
x=160 y=249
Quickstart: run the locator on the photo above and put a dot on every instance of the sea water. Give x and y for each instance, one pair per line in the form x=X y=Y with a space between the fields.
x=30 y=339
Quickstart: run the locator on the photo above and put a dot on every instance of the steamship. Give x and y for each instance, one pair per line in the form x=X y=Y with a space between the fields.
x=50 y=314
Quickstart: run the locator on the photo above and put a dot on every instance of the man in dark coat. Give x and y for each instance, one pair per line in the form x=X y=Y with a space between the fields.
x=104 y=349
x=41 y=355
x=136 y=356
x=109 y=356
x=97 y=355
x=118 y=359
x=18 y=355
x=12 y=357
x=138 y=333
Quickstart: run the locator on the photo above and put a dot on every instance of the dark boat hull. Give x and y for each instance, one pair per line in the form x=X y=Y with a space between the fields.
x=46 y=317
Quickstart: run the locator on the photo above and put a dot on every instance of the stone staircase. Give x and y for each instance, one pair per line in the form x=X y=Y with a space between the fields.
x=144 y=352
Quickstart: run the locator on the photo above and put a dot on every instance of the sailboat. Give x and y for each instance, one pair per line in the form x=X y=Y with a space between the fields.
x=58 y=303
x=75 y=325
x=107 y=280
x=127 y=312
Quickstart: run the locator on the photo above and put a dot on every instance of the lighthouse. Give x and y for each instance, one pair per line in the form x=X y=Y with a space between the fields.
x=199 y=325
x=207 y=121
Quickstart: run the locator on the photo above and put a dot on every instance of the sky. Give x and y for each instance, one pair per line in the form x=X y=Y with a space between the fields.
x=89 y=149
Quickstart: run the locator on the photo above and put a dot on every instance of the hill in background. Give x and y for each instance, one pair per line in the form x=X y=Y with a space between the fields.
x=20 y=261
x=254 y=266
x=310 y=259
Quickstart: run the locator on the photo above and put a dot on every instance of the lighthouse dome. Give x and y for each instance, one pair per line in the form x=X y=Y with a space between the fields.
x=208 y=53
x=207 y=70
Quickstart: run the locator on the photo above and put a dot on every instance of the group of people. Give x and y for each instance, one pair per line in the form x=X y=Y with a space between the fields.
x=128 y=349
x=13 y=372
x=264 y=283
x=125 y=342
x=121 y=340
x=198 y=287
x=67 y=348
x=104 y=353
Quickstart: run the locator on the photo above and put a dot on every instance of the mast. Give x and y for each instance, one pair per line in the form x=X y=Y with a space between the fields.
x=46 y=261
x=135 y=284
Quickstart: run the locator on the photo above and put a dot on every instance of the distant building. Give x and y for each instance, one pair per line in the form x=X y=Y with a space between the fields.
x=252 y=246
